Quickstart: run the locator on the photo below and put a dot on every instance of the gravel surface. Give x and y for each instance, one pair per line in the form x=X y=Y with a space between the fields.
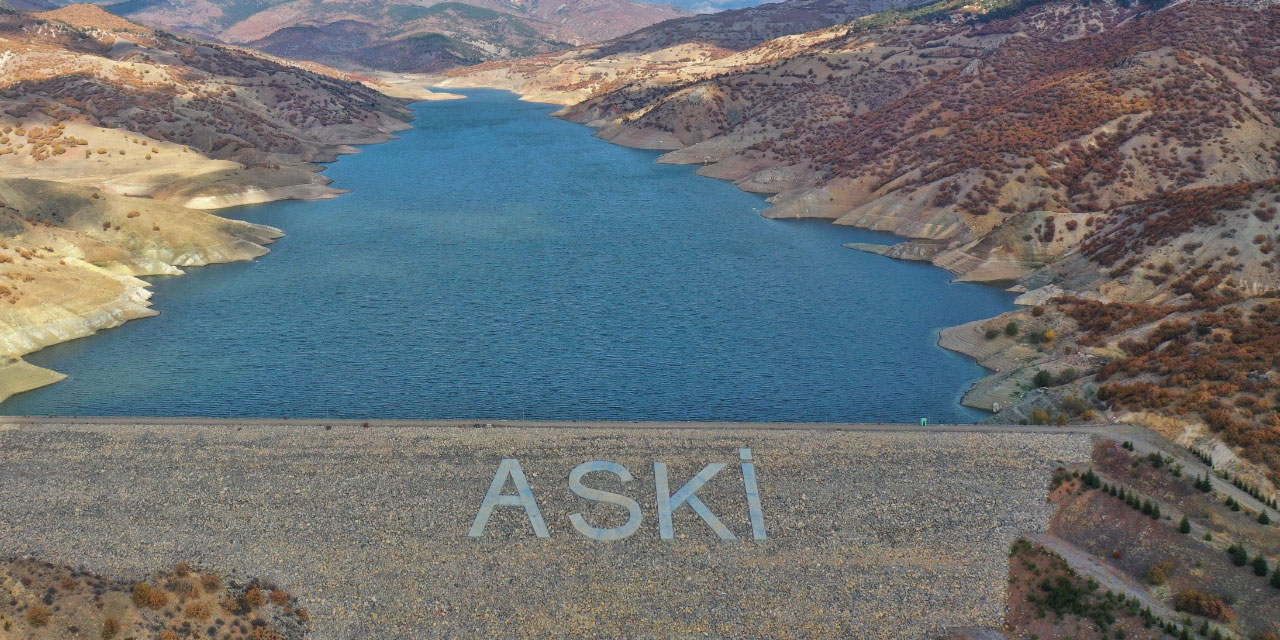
x=870 y=534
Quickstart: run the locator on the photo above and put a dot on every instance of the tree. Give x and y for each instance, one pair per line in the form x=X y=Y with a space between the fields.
x=1011 y=329
x=1147 y=507
x=1042 y=378
x=1260 y=567
x=1239 y=557
x=1263 y=518
x=1155 y=511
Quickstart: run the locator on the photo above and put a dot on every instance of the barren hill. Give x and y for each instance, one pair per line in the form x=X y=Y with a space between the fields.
x=387 y=34
x=1116 y=161
x=113 y=135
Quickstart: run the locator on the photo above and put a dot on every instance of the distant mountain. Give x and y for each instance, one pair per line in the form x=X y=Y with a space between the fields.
x=711 y=6
x=398 y=34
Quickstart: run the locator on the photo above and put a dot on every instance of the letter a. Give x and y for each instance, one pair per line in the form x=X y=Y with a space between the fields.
x=688 y=493
x=510 y=468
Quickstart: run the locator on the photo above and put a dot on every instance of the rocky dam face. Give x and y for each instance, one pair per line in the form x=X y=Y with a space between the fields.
x=557 y=531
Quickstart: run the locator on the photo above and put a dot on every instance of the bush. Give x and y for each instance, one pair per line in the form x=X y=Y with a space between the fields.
x=1184 y=527
x=1260 y=567
x=198 y=611
x=1011 y=329
x=1042 y=378
x=1263 y=518
x=1159 y=573
x=211 y=582
x=992 y=334
x=38 y=615
x=142 y=595
x=1198 y=603
x=1239 y=557
x=110 y=627
x=254 y=598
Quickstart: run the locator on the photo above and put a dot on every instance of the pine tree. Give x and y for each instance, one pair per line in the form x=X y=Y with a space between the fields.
x=1260 y=566
x=1146 y=507
x=1239 y=557
x=1184 y=526
x=1155 y=511
x=1263 y=518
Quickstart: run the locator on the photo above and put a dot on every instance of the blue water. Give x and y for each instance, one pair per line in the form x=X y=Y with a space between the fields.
x=498 y=263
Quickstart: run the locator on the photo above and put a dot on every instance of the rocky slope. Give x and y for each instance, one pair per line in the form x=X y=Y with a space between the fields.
x=1115 y=161
x=400 y=35
x=113 y=137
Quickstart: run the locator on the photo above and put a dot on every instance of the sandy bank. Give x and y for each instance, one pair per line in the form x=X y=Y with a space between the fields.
x=17 y=375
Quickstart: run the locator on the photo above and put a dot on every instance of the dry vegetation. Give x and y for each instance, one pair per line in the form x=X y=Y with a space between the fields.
x=1125 y=153
x=47 y=601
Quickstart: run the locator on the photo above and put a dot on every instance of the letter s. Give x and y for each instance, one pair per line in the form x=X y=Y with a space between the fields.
x=576 y=486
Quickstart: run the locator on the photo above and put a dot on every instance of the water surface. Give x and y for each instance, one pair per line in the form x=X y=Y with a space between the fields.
x=498 y=263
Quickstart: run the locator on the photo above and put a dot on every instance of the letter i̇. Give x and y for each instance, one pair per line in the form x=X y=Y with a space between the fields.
x=753 y=494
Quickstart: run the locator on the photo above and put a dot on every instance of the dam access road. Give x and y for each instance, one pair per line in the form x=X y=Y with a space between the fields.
x=419 y=529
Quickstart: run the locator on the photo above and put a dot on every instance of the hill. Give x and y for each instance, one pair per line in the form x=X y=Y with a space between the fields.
x=113 y=137
x=1115 y=162
x=396 y=35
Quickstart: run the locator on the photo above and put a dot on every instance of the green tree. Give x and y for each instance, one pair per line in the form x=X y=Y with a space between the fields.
x=1042 y=378
x=1260 y=567
x=1011 y=329
x=1239 y=557
x=1263 y=518
x=1184 y=526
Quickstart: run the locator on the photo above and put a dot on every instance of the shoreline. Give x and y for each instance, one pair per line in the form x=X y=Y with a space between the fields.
x=17 y=375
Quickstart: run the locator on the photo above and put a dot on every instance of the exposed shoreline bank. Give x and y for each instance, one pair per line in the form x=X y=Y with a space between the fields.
x=75 y=319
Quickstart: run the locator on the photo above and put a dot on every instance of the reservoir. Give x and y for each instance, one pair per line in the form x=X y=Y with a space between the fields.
x=497 y=263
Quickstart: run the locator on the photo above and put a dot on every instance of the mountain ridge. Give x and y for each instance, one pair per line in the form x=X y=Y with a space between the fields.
x=1105 y=159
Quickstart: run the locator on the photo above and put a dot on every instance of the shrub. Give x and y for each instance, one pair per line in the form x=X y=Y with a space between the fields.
x=198 y=611
x=278 y=597
x=1159 y=573
x=38 y=615
x=1011 y=329
x=1263 y=518
x=254 y=598
x=142 y=595
x=1198 y=603
x=211 y=582
x=992 y=334
x=1184 y=527
x=110 y=627
x=1239 y=557
x=1042 y=378
x=1260 y=567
